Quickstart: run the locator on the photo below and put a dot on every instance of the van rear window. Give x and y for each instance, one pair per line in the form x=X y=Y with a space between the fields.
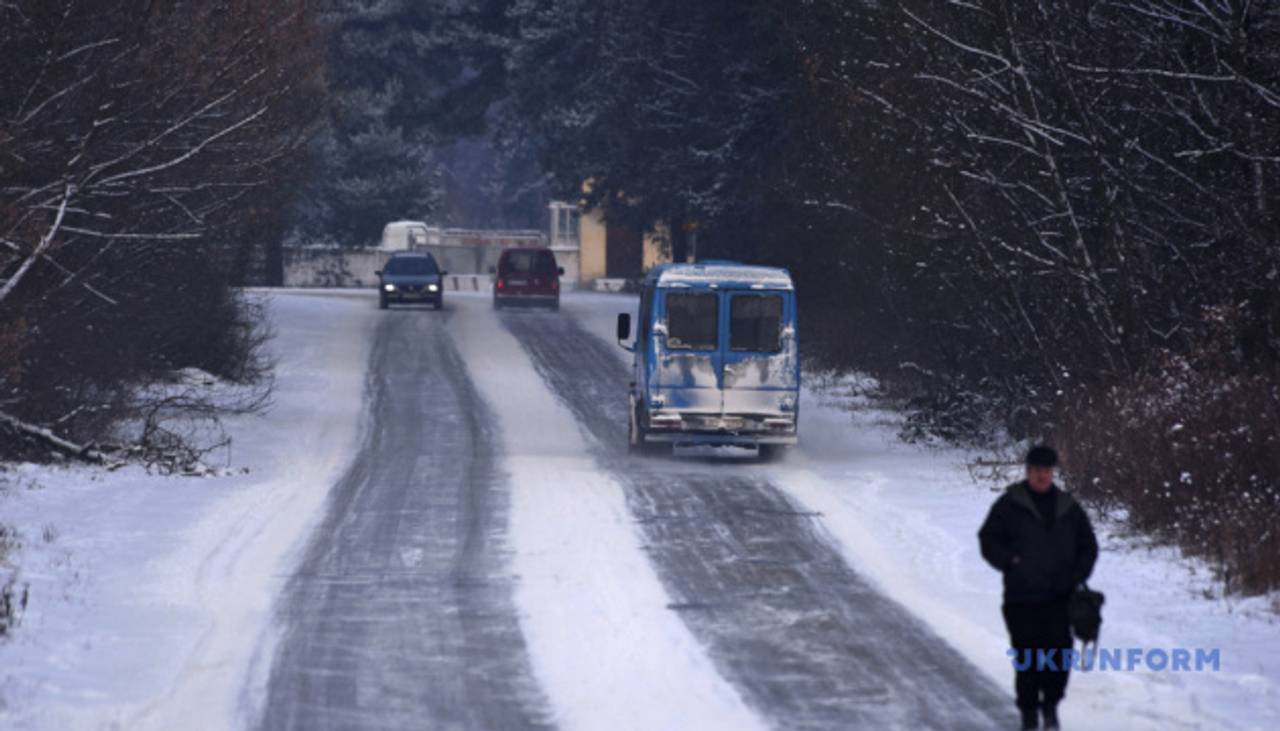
x=692 y=321
x=529 y=262
x=755 y=323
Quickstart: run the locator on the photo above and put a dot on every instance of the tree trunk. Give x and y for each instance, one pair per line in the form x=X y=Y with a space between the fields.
x=679 y=239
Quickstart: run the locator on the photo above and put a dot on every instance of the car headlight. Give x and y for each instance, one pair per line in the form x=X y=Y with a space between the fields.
x=433 y=288
x=389 y=287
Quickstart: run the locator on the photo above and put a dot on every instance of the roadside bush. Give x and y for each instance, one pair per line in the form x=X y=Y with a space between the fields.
x=1192 y=453
x=13 y=593
x=157 y=144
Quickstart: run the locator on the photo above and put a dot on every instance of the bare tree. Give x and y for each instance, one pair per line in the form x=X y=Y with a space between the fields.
x=144 y=151
x=1066 y=216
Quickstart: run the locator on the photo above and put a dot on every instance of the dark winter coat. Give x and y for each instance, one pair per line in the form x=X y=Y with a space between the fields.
x=1039 y=563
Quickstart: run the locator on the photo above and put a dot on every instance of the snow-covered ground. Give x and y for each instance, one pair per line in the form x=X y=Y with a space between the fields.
x=151 y=598
x=907 y=518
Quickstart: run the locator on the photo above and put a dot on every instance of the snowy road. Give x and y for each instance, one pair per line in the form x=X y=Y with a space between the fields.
x=807 y=641
x=437 y=527
x=403 y=612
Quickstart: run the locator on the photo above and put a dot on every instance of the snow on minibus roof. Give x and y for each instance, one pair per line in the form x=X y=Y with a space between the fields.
x=721 y=273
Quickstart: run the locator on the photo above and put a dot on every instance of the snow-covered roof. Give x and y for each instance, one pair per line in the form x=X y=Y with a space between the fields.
x=721 y=273
x=405 y=224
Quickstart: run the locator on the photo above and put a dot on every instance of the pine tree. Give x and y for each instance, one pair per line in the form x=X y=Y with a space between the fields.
x=669 y=109
x=407 y=77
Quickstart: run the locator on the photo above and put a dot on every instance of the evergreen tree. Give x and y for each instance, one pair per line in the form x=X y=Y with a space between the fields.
x=671 y=110
x=406 y=77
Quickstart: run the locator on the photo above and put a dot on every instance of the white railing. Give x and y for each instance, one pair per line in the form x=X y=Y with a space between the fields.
x=479 y=237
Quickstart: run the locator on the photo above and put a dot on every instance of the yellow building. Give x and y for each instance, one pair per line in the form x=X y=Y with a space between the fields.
x=606 y=250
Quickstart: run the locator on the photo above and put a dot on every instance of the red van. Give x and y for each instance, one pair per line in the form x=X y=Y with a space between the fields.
x=527 y=276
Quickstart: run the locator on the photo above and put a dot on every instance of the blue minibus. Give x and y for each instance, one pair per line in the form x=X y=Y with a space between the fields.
x=716 y=358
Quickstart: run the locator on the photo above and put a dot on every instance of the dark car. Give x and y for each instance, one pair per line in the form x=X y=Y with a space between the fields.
x=527 y=276
x=411 y=277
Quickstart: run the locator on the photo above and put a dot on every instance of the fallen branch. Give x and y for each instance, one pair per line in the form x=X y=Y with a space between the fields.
x=85 y=453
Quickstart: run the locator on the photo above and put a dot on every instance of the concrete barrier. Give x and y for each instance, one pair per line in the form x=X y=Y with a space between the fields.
x=333 y=267
x=611 y=285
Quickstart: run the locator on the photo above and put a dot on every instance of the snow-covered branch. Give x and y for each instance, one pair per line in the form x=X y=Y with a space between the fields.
x=142 y=158
x=40 y=248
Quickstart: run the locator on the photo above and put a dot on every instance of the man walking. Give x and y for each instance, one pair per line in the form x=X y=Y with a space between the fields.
x=1041 y=540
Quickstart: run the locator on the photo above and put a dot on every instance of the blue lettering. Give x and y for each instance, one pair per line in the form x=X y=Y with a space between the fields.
x=1110 y=659
x=1023 y=664
x=1134 y=656
x=1045 y=661
x=1181 y=659
x=1157 y=659
x=1203 y=657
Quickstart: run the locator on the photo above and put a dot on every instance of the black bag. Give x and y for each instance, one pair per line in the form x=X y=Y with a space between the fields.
x=1085 y=613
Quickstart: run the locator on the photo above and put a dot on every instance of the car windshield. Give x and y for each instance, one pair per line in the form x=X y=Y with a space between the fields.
x=755 y=323
x=411 y=265
x=691 y=321
x=529 y=262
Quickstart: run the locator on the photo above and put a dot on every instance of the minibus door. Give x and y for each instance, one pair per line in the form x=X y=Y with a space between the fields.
x=759 y=375
x=689 y=363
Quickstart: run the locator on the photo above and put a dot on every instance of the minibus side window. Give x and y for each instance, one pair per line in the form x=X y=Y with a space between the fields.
x=755 y=323
x=692 y=321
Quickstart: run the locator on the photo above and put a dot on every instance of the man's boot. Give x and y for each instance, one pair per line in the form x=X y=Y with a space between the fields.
x=1050 y=712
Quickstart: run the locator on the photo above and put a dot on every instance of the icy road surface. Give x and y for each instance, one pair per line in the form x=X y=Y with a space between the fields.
x=406 y=612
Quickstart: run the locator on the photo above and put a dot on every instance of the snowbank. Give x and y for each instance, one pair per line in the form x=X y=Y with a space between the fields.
x=906 y=517
x=151 y=597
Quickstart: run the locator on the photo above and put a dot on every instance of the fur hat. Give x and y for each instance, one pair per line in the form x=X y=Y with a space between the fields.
x=1042 y=456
